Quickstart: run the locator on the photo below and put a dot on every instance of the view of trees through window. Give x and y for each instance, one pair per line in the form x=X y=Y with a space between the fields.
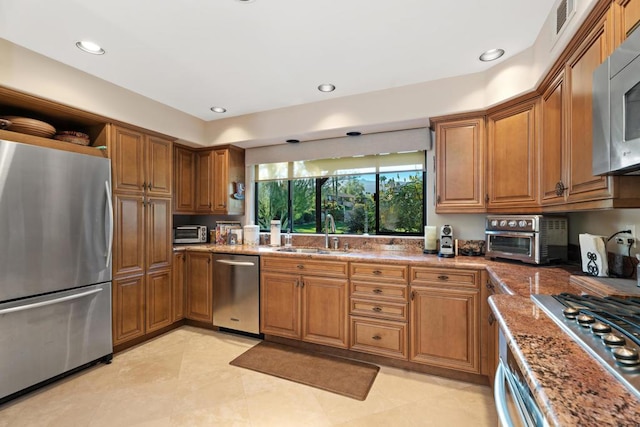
x=391 y=203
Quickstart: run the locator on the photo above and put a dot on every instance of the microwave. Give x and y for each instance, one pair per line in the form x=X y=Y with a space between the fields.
x=533 y=239
x=190 y=234
x=616 y=111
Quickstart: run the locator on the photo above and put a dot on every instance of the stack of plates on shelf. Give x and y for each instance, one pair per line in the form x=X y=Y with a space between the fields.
x=30 y=126
x=73 y=137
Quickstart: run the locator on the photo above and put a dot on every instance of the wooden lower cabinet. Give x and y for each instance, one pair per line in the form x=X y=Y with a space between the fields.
x=178 y=278
x=305 y=307
x=381 y=337
x=159 y=300
x=444 y=328
x=199 y=284
x=128 y=308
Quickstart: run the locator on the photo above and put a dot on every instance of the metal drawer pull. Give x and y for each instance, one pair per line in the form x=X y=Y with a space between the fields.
x=376 y=337
x=377 y=272
x=377 y=291
x=377 y=309
x=443 y=277
x=300 y=266
x=302 y=283
x=492 y=319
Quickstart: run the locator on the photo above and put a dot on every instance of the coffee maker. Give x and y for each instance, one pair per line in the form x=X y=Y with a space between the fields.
x=446 y=242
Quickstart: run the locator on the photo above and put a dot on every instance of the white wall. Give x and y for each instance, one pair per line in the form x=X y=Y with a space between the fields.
x=604 y=223
x=29 y=72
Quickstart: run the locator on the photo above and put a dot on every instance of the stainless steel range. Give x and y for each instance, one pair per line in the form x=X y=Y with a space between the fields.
x=607 y=328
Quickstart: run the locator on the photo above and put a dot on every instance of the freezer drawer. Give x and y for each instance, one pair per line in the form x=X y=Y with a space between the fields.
x=236 y=292
x=45 y=336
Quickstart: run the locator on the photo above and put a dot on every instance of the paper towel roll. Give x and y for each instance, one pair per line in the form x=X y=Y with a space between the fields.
x=594 y=255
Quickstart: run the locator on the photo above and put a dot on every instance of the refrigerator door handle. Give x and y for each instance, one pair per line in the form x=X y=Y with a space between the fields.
x=110 y=236
x=49 y=302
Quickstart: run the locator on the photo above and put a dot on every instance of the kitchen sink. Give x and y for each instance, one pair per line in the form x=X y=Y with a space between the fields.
x=322 y=251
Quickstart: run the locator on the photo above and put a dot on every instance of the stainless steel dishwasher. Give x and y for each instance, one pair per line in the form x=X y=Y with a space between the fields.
x=236 y=292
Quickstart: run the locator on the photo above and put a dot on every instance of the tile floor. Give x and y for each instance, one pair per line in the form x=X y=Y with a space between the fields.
x=183 y=378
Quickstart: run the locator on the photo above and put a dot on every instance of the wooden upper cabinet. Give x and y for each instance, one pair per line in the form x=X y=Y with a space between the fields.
x=512 y=164
x=582 y=184
x=141 y=163
x=204 y=181
x=553 y=177
x=220 y=180
x=159 y=166
x=128 y=160
x=185 y=175
x=629 y=16
x=460 y=164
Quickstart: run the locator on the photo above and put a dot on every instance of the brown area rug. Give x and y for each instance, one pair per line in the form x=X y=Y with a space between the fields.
x=342 y=376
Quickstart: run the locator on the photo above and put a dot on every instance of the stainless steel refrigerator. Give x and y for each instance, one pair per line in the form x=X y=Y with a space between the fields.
x=56 y=233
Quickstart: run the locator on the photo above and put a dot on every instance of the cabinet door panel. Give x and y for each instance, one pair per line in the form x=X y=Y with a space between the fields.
x=158 y=300
x=128 y=160
x=128 y=308
x=185 y=173
x=444 y=329
x=129 y=242
x=552 y=162
x=324 y=308
x=512 y=162
x=178 y=278
x=199 y=286
x=460 y=166
x=204 y=181
x=158 y=231
x=280 y=304
x=221 y=182
x=583 y=185
x=159 y=165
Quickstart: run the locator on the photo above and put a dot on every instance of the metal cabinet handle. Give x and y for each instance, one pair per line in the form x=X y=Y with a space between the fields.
x=376 y=337
x=486 y=198
x=209 y=205
x=377 y=291
x=377 y=272
x=144 y=185
x=149 y=186
x=443 y=277
x=302 y=283
x=300 y=266
x=413 y=295
x=438 y=199
x=560 y=188
x=377 y=309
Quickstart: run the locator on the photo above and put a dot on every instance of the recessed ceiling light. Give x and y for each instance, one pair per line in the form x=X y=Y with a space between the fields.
x=293 y=141
x=491 y=55
x=245 y=1
x=90 y=47
x=326 y=87
x=218 y=109
x=354 y=133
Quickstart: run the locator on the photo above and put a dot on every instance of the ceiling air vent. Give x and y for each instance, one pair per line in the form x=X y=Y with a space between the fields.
x=565 y=9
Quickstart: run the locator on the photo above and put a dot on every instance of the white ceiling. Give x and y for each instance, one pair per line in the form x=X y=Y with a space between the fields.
x=266 y=54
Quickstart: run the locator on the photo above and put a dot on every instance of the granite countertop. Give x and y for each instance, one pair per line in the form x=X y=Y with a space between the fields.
x=569 y=386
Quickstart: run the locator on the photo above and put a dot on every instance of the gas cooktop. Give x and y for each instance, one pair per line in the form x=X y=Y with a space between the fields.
x=607 y=328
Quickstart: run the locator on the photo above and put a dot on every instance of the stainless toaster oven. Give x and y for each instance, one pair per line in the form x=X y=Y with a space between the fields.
x=534 y=239
x=190 y=234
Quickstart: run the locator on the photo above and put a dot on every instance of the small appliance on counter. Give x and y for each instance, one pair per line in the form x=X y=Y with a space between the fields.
x=534 y=239
x=446 y=242
x=190 y=234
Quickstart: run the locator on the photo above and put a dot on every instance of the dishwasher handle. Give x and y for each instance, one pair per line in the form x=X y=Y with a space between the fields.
x=236 y=263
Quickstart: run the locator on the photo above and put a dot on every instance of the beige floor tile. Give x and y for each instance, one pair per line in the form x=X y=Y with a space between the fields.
x=183 y=378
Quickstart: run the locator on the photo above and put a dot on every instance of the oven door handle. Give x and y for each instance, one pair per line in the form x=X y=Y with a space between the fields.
x=500 y=395
x=510 y=233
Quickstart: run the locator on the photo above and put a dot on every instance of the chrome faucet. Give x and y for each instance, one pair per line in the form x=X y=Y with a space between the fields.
x=329 y=227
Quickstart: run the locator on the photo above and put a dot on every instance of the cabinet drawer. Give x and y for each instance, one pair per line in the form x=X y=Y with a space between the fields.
x=304 y=266
x=379 y=291
x=438 y=277
x=379 y=272
x=381 y=337
x=380 y=309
